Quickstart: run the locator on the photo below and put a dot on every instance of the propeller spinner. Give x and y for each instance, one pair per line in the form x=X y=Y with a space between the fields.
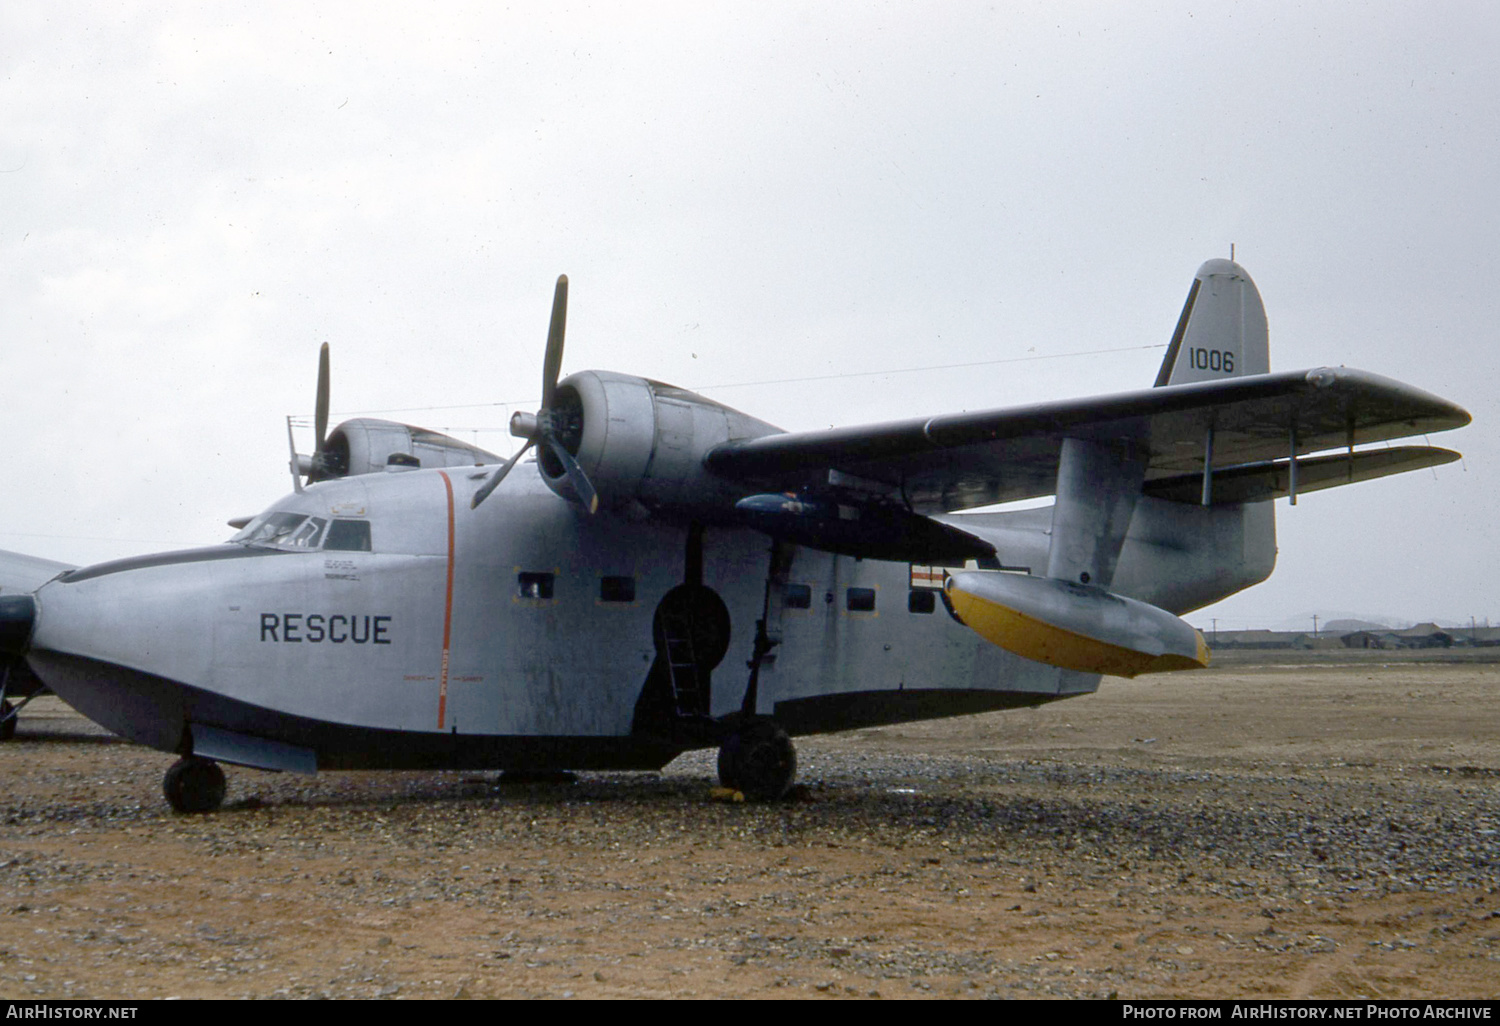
x=544 y=426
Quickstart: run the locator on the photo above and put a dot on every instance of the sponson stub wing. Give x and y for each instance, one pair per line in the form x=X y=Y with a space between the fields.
x=946 y=463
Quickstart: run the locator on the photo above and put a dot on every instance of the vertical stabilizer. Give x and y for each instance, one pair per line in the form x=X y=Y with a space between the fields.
x=1221 y=334
x=1222 y=330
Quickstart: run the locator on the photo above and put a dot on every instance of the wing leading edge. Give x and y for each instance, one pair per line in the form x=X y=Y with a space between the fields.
x=960 y=461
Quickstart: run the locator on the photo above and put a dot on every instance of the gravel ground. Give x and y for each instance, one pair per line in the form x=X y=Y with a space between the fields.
x=1284 y=832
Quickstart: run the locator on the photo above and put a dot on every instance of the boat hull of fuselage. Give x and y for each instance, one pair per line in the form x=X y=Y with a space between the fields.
x=520 y=636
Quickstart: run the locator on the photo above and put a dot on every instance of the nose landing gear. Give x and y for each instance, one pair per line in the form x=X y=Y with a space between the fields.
x=194 y=784
x=758 y=760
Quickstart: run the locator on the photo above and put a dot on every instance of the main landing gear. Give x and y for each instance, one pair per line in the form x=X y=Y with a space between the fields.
x=194 y=784
x=758 y=760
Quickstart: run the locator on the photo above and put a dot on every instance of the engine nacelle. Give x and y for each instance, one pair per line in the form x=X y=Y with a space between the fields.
x=641 y=444
x=365 y=446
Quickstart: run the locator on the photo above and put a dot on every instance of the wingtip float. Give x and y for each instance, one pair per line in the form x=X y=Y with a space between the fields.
x=1074 y=626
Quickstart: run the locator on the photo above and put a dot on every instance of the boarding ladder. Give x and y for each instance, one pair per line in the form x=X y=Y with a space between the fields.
x=683 y=670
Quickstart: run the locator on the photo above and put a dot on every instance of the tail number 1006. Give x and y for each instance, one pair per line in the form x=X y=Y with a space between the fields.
x=1211 y=359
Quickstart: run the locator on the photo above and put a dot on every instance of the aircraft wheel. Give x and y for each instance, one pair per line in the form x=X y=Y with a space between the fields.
x=759 y=760
x=7 y=721
x=194 y=784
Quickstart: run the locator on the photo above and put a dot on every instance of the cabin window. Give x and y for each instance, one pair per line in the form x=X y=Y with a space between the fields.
x=798 y=596
x=348 y=536
x=617 y=589
x=534 y=585
x=860 y=600
x=921 y=600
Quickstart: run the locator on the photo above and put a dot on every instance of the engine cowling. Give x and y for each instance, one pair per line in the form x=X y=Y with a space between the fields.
x=366 y=445
x=641 y=443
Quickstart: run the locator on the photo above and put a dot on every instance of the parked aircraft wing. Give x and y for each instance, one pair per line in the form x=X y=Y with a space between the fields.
x=21 y=574
x=960 y=461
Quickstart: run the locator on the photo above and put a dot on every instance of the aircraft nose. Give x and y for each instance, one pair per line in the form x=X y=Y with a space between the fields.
x=17 y=615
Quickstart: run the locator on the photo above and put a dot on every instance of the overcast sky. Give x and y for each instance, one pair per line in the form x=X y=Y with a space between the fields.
x=196 y=196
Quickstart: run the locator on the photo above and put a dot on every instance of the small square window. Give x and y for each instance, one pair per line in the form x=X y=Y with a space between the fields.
x=798 y=596
x=534 y=585
x=617 y=589
x=921 y=600
x=860 y=600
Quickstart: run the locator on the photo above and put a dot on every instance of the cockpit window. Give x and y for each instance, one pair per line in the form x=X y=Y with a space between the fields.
x=283 y=531
x=348 y=536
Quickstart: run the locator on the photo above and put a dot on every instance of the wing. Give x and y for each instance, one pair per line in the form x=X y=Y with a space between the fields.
x=1253 y=424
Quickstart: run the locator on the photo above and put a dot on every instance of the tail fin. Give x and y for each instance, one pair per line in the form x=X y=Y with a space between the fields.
x=1216 y=551
x=1222 y=330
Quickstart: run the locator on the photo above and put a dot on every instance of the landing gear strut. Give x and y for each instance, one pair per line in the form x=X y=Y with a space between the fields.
x=194 y=784
x=757 y=759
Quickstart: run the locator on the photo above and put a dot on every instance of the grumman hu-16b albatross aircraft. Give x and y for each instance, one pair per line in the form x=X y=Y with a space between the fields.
x=670 y=574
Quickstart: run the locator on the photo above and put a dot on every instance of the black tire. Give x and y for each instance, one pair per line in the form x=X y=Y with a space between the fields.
x=194 y=785
x=758 y=759
x=7 y=721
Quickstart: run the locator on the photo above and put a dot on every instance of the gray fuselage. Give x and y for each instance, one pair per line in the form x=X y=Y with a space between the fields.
x=523 y=633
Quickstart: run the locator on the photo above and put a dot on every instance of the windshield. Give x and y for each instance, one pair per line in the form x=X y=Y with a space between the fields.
x=283 y=531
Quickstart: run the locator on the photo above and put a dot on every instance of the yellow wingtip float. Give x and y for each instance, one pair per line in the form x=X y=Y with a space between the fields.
x=1074 y=626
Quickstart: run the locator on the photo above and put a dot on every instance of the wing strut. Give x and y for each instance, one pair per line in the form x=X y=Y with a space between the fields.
x=1291 y=469
x=1208 y=466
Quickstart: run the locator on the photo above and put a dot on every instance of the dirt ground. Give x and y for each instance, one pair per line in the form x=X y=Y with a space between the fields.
x=1276 y=832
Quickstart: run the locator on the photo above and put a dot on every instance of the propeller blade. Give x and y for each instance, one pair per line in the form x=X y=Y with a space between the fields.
x=295 y=464
x=320 y=418
x=499 y=475
x=537 y=427
x=582 y=487
x=552 y=365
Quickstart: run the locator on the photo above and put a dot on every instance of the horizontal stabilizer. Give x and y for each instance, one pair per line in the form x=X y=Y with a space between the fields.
x=1074 y=626
x=1258 y=482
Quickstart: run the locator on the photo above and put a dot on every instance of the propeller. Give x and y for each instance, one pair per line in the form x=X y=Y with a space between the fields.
x=320 y=417
x=543 y=426
x=317 y=467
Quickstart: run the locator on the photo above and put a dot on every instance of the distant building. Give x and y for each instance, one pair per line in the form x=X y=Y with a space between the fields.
x=1424 y=635
x=1478 y=637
